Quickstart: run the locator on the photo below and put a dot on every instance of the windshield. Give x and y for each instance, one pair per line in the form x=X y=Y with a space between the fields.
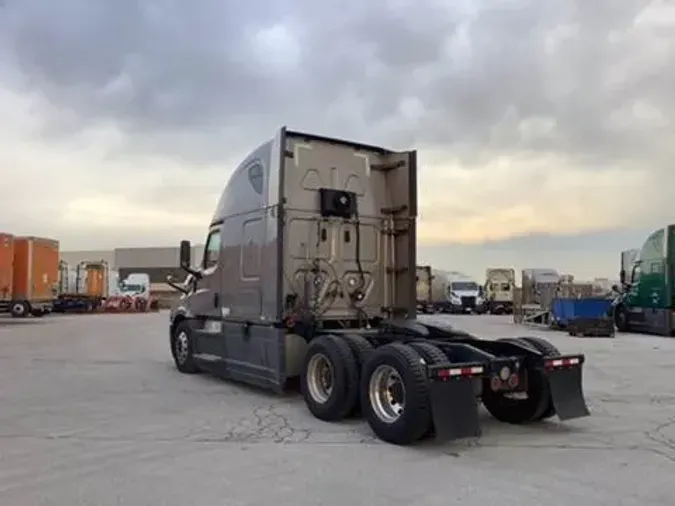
x=464 y=286
x=133 y=288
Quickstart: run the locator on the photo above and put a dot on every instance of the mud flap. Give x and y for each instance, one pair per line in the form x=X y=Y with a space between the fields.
x=566 y=393
x=454 y=409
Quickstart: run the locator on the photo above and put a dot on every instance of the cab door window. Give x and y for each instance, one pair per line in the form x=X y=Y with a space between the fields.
x=212 y=250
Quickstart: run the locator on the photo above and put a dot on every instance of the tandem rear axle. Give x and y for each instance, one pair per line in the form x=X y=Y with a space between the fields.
x=412 y=380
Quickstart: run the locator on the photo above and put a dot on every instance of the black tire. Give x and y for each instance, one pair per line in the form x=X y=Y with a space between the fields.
x=542 y=345
x=20 y=309
x=547 y=348
x=430 y=353
x=343 y=394
x=361 y=350
x=621 y=318
x=519 y=411
x=182 y=348
x=415 y=420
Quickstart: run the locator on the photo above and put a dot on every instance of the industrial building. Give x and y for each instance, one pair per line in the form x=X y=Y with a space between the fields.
x=156 y=262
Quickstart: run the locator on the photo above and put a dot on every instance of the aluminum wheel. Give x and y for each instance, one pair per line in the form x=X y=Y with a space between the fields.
x=320 y=377
x=19 y=309
x=182 y=347
x=386 y=393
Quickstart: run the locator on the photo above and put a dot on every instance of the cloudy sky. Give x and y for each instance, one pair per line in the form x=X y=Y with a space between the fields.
x=544 y=128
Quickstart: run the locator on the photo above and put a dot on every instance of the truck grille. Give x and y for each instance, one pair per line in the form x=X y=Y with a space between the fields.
x=469 y=302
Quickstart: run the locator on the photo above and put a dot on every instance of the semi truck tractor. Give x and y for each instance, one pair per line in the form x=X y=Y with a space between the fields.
x=500 y=285
x=307 y=274
x=646 y=302
x=423 y=288
x=454 y=292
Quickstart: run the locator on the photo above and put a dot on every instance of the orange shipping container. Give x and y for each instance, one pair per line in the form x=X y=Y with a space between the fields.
x=36 y=268
x=6 y=265
x=97 y=279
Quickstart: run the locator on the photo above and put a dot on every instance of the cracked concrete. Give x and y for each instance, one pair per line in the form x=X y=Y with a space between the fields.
x=92 y=412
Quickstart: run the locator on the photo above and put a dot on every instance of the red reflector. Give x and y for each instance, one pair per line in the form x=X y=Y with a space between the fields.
x=562 y=362
x=459 y=371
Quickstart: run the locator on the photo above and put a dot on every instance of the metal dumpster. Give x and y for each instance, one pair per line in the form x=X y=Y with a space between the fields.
x=564 y=311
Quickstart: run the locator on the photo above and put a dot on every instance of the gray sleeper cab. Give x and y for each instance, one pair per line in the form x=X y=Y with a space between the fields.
x=309 y=272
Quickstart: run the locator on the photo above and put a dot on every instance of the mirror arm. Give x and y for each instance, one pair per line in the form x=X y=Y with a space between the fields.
x=197 y=274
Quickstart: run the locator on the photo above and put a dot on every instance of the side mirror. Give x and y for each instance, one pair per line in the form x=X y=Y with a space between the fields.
x=622 y=276
x=185 y=254
x=615 y=288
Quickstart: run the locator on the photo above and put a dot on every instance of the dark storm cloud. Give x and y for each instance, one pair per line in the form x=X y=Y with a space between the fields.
x=169 y=72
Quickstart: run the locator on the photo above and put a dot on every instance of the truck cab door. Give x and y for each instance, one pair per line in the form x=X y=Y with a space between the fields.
x=206 y=301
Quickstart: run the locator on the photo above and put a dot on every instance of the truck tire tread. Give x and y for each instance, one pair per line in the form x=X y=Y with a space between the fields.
x=546 y=347
x=415 y=421
x=190 y=365
x=361 y=349
x=534 y=408
x=344 y=394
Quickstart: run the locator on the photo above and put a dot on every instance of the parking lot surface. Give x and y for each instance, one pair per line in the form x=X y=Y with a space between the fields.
x=92 y=412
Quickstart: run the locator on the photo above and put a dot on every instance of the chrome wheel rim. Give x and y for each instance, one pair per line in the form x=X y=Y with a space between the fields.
x=386 y=393
x=320 y=378
x=19 y=309
x=182 y=347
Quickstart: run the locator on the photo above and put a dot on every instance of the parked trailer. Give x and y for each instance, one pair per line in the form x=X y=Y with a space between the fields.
x=500 y=285
x=313 y=280
x=6 y=271
x=423 y=289
x=82 y=288
x=35 y=265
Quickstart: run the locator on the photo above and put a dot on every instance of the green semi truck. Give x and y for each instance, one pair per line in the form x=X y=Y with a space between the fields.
x=646 y=302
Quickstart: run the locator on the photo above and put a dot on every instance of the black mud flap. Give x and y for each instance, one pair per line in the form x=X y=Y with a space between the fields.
x=454 y=409
x=566 y=393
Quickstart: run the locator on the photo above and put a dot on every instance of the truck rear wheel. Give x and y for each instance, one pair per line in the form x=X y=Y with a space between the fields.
x=329 y=378
x=361 y=349
x=545 y=347
x=19 y=309
x=520 y=407
x=395 y=394
x=430 y=353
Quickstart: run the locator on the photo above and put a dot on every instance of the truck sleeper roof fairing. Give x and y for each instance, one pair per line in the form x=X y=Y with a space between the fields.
x=355 y=266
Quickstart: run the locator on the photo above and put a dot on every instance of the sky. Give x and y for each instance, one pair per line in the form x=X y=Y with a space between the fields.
x=544 y=129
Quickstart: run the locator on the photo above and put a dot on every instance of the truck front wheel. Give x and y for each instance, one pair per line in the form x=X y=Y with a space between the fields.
x=621 y=318
x=329 y=378
x=182 y=348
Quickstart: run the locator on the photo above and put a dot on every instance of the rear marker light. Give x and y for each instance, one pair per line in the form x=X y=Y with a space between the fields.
x=459 y=371
x=562 y=362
